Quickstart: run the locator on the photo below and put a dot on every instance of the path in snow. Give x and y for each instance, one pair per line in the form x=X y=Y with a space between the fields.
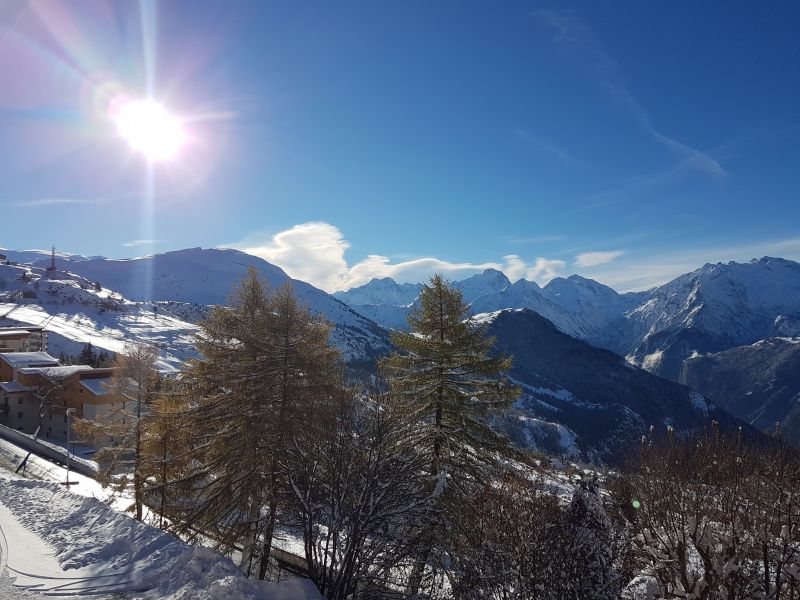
x=64 y=544
x=24 y=552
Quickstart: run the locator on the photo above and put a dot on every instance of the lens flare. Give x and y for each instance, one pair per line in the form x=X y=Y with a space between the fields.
x=150 y=129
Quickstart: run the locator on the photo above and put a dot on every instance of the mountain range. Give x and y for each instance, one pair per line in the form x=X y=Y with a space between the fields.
x=700 y=322
x=717 y=307
x=597 y=367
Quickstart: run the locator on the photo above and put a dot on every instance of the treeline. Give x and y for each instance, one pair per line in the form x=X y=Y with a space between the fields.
x=405 y=490
x=89 y=355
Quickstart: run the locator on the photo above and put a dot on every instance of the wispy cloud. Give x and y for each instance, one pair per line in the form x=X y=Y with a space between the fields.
x=52 y=202
x=592 y=259
x=574 y=37
x=543 y=144
x=133 y=243
x=315 y=252
x=641 y=272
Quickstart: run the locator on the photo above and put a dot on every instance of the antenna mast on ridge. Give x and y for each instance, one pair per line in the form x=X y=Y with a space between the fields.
x=52 y=266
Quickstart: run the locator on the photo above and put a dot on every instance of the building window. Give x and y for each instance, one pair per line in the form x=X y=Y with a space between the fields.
x=20 y=415
x=19 y=400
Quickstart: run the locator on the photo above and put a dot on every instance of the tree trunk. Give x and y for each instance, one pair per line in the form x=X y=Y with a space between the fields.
x=137 y=473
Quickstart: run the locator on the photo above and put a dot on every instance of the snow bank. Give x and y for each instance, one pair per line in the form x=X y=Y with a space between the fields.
x=88 y=536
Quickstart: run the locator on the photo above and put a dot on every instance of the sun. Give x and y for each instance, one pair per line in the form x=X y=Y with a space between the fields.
x=150 y=129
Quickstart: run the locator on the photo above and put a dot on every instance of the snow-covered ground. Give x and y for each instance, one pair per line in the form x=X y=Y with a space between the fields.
x=72 y=543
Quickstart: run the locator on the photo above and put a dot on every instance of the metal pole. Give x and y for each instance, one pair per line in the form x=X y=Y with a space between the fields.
x=70 y=412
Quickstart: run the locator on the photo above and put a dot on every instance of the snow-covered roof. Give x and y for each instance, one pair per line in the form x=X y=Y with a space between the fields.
x=12 y=387
x=98 y=387
x=28 y=359
x=55 y=371
x=12 y=332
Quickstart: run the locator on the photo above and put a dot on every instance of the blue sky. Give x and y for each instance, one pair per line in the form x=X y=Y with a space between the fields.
x=625 y=141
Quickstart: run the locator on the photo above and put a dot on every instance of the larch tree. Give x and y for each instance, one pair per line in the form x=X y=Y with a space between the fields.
x=119 y=432
x=264 y=359
x=449 y=383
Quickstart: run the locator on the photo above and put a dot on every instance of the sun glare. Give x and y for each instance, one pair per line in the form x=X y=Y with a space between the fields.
x=150 y=129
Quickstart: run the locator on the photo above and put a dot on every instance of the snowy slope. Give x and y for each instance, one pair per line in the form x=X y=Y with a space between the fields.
x=74 y=312
x=61 y=543
x=716 y=307
x=32 y=256
x=206 y=276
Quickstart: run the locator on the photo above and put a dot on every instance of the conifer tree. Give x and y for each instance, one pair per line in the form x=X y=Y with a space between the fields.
x=588 y=568
x=120 y=430
x=264 y=358
x=449 y=383
x=87 y=355
x=165 y=455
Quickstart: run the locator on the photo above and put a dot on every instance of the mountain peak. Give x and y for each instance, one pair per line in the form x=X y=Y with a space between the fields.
x=490 y=281
x=384 y=290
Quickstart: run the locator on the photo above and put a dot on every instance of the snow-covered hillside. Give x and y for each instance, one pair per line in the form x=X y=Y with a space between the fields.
x=75 y=312
x=716 y=307
x=59 y=544
x=183 y=281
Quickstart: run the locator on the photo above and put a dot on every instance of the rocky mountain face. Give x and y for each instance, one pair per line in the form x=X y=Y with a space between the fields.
x=714 y=308
x=758 y=383
x=601 y=403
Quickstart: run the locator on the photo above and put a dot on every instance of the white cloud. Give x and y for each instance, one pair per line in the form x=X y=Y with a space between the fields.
x=592 y=259
x=315 y=252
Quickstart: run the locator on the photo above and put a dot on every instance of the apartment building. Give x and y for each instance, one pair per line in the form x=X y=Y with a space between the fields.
x=36 y=391
x=23 y=338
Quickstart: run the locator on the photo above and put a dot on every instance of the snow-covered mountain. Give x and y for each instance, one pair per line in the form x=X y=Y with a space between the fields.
x=491 y=281
x=181 y=283
x=198 y=275
x=577 y=397
x=389 y=303
x=717 y=307
x=31 y=256
x=381 y=291
x=759 y=383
